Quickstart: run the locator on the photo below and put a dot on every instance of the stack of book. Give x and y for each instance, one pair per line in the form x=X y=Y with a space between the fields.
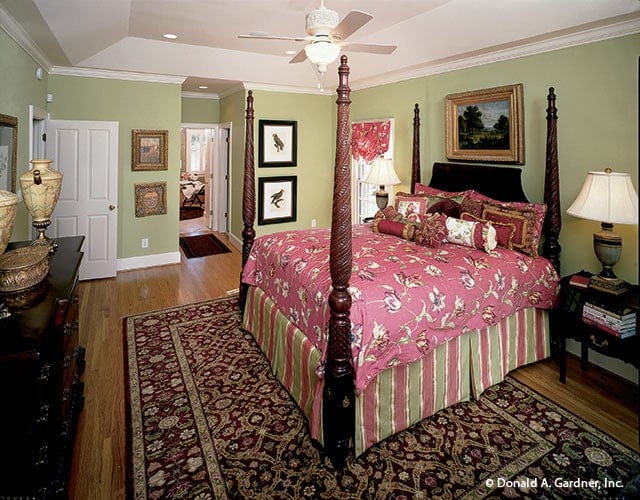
x=620 y=322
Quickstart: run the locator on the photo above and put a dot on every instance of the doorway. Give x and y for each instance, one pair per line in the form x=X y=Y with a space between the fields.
x=204 y=167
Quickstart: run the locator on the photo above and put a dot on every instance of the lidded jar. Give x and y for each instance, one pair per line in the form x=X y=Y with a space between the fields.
x=41 y=190
x=8 y=202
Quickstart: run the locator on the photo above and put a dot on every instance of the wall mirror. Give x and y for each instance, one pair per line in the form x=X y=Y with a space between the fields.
x=8 y=149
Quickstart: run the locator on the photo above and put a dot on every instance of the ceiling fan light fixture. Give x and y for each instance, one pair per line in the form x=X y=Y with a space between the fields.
x=322 y=54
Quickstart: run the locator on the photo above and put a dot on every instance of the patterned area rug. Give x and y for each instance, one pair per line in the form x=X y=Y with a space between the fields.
x=207 y=420
x=201 y=245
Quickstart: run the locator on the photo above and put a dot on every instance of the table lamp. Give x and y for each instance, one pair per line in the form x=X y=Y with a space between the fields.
x=608 y=197
x=382 y=174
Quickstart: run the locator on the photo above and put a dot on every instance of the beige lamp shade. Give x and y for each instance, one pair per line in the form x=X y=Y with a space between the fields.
x=607 y=197
x=382 y=173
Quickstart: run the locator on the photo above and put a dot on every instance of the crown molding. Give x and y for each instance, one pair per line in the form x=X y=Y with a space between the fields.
x=623 y=28
x=116 y=75
x=283 y=88
x=200 y=95
x=11 y=27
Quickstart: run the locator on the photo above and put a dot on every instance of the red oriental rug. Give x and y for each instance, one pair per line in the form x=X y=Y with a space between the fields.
x=206 y=419
x=201 y=245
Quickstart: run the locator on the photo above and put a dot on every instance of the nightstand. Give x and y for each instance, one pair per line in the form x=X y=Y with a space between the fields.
x=566 y=322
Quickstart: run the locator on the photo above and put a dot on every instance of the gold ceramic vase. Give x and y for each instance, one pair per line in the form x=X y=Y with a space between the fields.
x=41 y=190
x=8 y=202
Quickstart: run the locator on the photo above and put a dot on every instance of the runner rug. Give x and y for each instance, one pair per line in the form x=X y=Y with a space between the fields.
x=201 y=245
x=206 y=419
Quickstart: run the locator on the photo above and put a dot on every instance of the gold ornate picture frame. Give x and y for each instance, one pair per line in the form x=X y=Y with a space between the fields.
x=486 y=125
x=151 y=198
x=149 y=150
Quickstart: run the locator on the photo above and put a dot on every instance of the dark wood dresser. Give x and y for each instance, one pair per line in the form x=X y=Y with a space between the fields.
x=41 y=392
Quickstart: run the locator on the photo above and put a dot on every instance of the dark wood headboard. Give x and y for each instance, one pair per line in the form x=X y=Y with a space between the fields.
x=500 y=183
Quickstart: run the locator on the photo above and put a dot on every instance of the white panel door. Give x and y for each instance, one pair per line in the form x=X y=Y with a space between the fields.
x=86 y=153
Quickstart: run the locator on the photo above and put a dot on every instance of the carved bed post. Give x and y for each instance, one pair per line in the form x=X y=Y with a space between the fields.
x=339 y=396
x=553 y=219
x=415 y=160
x=248 y=196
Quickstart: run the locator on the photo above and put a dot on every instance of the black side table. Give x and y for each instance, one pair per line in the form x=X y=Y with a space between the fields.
x=566 y=322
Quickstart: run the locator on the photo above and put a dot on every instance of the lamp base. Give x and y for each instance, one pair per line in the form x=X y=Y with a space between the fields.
x=614 y=286
x=382 y=198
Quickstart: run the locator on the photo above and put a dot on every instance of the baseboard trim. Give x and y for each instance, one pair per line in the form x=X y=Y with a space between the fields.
x=159 y=259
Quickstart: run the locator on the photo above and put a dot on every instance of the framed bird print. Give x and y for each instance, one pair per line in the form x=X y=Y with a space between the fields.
x=277 y=143
x=277 y=199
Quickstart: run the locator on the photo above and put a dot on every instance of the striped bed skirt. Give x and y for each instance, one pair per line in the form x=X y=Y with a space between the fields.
x=399 y=397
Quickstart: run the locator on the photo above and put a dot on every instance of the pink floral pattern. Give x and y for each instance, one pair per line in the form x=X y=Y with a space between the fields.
x=406 y=298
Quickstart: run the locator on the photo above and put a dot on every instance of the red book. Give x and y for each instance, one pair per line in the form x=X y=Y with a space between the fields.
x=579 y=281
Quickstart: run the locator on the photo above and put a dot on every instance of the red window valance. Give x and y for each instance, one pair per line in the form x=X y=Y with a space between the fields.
x=370 y=139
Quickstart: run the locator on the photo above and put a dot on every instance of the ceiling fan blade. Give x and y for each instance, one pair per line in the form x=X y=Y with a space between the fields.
x=370 y=48
x=353 y=21
x=299 y=57
x=273 y=37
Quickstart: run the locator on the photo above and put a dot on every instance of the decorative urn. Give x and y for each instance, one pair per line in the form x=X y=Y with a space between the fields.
x=8 y=202
x=41 y=190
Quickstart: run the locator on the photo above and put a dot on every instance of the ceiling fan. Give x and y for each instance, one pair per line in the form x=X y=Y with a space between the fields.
x=327 y=35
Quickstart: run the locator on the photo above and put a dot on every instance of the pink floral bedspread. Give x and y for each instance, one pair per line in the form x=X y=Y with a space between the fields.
x=406 y=299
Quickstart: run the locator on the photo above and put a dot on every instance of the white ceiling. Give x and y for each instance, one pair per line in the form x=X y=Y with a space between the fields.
x=103 y=36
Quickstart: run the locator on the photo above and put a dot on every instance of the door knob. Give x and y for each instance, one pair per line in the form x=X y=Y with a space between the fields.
x=112 y=207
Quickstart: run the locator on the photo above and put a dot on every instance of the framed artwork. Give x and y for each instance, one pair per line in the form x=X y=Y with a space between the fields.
x=486 y=125
x=151 y=198
x=8 y=152
x=277 y=143
x=277 y=199
x=149 y=150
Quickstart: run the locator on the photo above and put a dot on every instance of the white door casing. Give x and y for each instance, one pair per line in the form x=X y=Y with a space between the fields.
x=86 y=152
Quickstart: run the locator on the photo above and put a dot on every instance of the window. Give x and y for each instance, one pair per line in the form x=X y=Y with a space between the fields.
x=369 y=140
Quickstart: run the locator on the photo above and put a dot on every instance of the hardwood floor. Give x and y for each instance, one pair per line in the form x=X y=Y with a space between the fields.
x=99 y=469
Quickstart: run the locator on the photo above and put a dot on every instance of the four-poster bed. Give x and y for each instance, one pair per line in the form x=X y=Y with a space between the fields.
x=356 y=383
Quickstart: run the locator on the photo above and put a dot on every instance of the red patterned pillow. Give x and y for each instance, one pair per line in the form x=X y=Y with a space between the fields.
x=504 y=231
x=527 y=218
x=389 y=213
x=412 y=207
x=400 y=229
x=430 y=191
x=432 y=231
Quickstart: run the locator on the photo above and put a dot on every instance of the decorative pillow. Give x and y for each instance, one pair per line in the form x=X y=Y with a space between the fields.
x=471 y=206
x=471 y=234
x=447 y=207
x=430 y=191
x=411 y=207
x=389 y=213
x=400 y=229
x=527 y=218
x=504 y=231
x=432 y=230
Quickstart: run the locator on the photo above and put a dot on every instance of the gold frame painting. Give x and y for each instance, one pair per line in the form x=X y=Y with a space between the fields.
x=486 y=125
x=149 y=150
x=151 y=198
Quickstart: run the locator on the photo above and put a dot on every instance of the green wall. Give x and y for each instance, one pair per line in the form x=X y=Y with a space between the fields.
x=198 y=110
x=314 y=115
x=596 y=85
x=597 y=100
x=19 y=88
x=135 y=105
